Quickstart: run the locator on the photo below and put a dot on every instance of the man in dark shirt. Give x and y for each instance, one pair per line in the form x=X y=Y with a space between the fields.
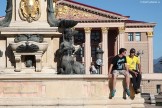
x=119 y=66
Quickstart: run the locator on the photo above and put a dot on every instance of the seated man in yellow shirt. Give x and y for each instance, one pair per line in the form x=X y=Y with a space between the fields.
x=134 y=69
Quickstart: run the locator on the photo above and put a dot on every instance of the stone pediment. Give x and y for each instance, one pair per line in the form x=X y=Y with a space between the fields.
x=68 y=9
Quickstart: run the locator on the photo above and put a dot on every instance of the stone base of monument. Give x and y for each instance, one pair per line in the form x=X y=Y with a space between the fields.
x=63 y=91
x=42 y=47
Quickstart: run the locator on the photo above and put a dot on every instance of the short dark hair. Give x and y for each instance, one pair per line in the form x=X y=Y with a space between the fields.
x=121 y=50
x=132 y=50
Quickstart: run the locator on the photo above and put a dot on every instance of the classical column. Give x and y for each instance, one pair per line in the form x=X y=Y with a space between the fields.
x=18 y=62
x=121 y=37
x=105 y=49
x=87 y=50
x=150 y=51
x=38 y=58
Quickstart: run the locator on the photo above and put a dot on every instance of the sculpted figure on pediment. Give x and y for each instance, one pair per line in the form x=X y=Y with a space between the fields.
x=63 y=12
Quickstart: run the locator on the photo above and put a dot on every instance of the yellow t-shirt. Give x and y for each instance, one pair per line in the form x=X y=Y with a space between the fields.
x=132 y=62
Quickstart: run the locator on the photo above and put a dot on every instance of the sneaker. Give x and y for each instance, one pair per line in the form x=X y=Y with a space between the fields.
x=113 y=93
x=138 y=90
x=127 y=91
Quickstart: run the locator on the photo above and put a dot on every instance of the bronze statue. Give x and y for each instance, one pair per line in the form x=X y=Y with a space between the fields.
x=68 y=65
x=6 y=21
x=52 y=21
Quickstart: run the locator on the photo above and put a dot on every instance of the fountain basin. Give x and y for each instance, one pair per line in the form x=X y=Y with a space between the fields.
x=42 y=46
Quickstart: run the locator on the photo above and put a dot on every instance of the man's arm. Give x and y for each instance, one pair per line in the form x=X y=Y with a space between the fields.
x=139 y=67
x=109 y=72
x=133 y=72
x=126 y=67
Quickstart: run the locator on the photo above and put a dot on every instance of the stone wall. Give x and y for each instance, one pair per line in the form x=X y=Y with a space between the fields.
x=3 y=49
x=64 y=91
x=49 y=58
x=150 y=86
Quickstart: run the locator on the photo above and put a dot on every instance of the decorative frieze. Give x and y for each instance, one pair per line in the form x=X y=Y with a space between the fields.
x=69 y=12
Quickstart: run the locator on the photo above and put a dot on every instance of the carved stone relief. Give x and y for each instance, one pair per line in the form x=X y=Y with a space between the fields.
x=29 y=10
x=63 y=11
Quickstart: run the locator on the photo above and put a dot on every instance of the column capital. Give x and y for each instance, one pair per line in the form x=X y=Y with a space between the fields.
x=73 y=28
x=104 y=29
x=121 y=29
x=87 y=29
x=55 y=1
x=150 y=34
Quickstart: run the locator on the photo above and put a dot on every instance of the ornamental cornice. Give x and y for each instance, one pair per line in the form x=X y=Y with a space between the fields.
x=139 y=25
x=101 y=21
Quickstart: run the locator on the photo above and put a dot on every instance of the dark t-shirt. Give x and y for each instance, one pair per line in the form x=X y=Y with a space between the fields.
x=119 y=63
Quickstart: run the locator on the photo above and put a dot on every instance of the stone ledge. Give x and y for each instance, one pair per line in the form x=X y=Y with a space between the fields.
x=50 y=75
x=66 y=102
x=17 y=30
x=153 y=76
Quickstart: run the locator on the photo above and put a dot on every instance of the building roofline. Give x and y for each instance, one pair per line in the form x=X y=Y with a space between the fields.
x=134 y=21
x=131 y=23
x=100 y=20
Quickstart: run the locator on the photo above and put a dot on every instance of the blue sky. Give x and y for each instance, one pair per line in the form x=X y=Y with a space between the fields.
x=143 y=10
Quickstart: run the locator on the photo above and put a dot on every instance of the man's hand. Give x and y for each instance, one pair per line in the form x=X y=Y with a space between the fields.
x=136 y=73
